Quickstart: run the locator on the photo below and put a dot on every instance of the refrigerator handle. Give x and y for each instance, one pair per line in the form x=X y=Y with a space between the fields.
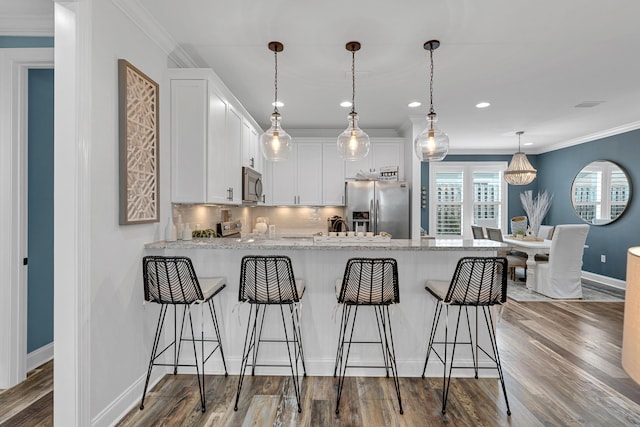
x=372 y=223
x=377 y=212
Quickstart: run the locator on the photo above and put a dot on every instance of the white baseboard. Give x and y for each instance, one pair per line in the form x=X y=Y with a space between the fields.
x=39 y=356
x=604 y=280
x=128 y=400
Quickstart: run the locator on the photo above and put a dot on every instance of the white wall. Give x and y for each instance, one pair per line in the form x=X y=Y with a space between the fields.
x=103 y=330
x=121 y=328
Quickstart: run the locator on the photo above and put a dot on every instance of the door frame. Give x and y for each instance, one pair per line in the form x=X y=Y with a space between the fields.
x=14 y=68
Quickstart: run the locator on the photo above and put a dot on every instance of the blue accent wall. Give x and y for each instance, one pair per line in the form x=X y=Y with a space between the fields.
x=18 y=42
x=40 y=211
x=556 y=171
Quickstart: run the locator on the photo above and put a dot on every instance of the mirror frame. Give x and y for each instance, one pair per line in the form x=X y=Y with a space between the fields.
x=626 y=174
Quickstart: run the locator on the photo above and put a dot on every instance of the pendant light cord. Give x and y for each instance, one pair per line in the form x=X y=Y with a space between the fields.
x=431 y=111
x=519 y=133
x=353 y=81
x=275 y=101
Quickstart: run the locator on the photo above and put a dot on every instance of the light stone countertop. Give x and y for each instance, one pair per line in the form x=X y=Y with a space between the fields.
x=305 y=243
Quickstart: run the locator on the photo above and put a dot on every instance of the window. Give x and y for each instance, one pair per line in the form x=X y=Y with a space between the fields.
x=465 y=194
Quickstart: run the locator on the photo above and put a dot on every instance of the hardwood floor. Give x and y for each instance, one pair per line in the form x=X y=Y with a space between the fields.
x=30 y=403
x=561 y=361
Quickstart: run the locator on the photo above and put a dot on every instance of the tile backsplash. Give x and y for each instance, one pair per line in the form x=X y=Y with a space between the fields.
x=288 y=221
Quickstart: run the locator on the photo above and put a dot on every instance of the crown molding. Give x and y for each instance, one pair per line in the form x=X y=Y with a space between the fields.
x=156 y=32
x=591 y=137
x=27 y=25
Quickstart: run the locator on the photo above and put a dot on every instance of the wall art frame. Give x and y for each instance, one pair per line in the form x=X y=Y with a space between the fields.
x=139 y=134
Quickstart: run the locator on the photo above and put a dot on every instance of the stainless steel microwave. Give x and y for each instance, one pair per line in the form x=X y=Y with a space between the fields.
x=251 y=185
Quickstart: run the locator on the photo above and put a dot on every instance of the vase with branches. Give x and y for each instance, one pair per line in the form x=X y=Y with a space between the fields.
x=537 y=208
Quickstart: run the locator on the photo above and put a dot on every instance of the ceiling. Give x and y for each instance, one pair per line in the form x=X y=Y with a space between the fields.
x=535 y=62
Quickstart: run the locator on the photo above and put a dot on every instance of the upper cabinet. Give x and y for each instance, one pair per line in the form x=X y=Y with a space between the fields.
x=189 y=125
x=209 y=131
x=382 y=153
x=251 y=155
x=298 y=180
x=332 y=175
x=312 y=176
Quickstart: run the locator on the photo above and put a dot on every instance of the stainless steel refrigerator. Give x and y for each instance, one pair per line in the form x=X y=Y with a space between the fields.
x=379 y=206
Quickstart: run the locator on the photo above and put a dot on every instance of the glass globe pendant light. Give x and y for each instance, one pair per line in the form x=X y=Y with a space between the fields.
x=432 y=144
x=275 y=143
x=353 y=143
x=520 y=171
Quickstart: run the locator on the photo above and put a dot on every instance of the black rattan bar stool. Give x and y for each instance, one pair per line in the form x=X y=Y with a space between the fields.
x=173 y=281
x=367 y=282
x=479 y=283
x=266 y=281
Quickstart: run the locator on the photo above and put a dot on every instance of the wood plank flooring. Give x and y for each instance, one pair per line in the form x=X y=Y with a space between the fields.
x=561 y=361
x=30 y=403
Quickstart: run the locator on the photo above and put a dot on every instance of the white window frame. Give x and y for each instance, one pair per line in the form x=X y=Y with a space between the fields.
x=467 y=168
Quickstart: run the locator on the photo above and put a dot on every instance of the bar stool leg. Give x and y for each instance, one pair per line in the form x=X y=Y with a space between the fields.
x=447 y=382
x=492 y=335
x=294 y=312
x=177 y=339
x=383 y=339
x=293 y=361
x=154 y=349
x=257 y=341
x=432 y=335
x=199 y=375
x=391 y=356
x=216 y=327
x=249 y=343
x=343 y=362
x=345 y=311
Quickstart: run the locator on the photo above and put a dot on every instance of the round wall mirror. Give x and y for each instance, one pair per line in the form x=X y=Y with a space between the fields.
x=600 y=192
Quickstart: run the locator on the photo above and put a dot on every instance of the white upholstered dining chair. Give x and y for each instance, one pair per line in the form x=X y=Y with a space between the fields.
x=560 y=277
x=545 y=232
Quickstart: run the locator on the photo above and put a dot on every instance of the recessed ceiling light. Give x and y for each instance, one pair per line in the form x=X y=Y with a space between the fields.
x=527 y=143
x=414 y=104
x=277 y=104
x=345 y=104
x=483 y=104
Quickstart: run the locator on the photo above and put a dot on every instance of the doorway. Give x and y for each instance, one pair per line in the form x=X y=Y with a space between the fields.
x=39 y=217
x=15 y=64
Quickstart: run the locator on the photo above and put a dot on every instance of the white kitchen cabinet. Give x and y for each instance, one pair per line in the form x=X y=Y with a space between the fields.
x=189 y=119
x=217 y=184
x=234 y=155
x=251 y=155
x=206 y=139
x=298 y=180
x=381 y=154
x=282 y=180
x=332 y=175
x=309 y=174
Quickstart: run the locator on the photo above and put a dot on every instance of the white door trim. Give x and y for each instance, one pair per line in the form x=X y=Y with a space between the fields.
x=14 y=68
x=72 y=214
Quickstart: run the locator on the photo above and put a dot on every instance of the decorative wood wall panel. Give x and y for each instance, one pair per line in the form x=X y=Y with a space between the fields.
x=139 y=146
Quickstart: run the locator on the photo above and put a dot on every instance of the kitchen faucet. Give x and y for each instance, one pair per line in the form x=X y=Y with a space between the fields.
x=337 y=224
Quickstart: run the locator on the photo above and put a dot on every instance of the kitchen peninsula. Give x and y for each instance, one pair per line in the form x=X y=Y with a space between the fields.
x=320 y=265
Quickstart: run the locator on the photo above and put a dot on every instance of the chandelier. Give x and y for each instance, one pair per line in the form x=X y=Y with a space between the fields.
x=520 y=171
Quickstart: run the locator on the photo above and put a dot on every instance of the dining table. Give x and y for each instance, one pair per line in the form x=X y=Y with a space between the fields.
x=531 y=247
